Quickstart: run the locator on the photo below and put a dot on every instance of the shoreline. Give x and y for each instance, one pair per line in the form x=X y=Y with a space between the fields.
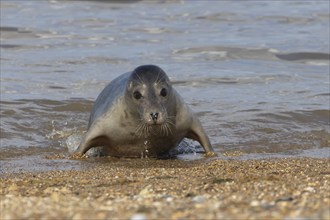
x=172 y=189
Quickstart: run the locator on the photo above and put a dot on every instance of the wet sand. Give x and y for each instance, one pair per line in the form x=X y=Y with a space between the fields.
x=172 y=189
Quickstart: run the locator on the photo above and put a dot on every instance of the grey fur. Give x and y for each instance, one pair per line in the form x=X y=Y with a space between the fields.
x=140 y=114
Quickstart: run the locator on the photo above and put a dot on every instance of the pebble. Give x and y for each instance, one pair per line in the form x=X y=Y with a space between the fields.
x=13 y=187
x=169 y=199
x=309 y=189
x=138 y=217
x=146 y=191
x=198 y=199
x=255 y=203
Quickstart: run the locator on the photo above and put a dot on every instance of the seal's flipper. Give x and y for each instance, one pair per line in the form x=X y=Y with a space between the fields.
x=87 y=144
x=197 y=133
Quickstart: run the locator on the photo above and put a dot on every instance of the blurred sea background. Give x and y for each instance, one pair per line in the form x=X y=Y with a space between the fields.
x=255 y=72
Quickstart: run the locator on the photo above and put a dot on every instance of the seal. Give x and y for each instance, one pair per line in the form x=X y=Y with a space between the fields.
x=140 y=114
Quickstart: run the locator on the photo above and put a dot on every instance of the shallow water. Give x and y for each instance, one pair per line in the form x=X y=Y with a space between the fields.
x=256 y=72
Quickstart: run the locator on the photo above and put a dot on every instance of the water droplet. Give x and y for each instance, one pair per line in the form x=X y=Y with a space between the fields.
x=145 y=150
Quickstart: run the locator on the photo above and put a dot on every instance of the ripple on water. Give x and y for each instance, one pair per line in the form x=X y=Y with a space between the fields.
x=257 y=92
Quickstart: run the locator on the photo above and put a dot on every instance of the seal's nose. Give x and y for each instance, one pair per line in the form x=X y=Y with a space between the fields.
x=154 y=116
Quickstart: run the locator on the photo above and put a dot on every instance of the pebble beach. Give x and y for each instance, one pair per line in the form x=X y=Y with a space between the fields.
x=172 y=189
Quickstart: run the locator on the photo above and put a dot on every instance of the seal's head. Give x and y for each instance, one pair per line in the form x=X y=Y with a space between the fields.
x=149 y=91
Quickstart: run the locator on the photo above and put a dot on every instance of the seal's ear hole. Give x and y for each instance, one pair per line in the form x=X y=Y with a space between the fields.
x=163 y=92
x=137 y=95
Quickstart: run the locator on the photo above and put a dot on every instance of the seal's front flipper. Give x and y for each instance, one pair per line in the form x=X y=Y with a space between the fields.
x=89 y=143
x=197 y=133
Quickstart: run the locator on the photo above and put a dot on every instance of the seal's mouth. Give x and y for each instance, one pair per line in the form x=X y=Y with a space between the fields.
x=155 y=129
x=154 y=123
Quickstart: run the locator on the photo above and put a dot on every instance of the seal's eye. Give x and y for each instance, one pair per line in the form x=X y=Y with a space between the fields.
x=163 y=92
x=137 y=95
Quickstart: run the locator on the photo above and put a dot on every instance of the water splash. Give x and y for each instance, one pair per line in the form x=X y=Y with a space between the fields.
x=60 y=133
x=145 y=150
x=73 y=141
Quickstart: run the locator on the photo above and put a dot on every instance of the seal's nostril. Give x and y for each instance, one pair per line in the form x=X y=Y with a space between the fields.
x=154 y=116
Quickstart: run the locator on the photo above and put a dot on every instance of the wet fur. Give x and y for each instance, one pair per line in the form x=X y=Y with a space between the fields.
x=120 y=125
